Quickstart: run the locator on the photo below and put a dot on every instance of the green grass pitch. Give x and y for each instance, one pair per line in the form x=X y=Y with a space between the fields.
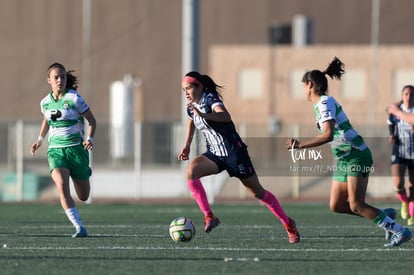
x=134 y=239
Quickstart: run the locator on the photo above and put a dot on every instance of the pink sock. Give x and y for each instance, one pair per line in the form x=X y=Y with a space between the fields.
x=411 y=208
x=402 y=197
x=272 y=203
x=199 y=194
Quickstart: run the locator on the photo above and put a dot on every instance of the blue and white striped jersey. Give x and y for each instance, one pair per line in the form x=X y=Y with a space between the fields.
x=221 y=137
x=404 y=134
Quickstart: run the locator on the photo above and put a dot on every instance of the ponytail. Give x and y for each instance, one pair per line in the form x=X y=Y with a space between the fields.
x=206 y=81
x=71 y=80
x=335 y=69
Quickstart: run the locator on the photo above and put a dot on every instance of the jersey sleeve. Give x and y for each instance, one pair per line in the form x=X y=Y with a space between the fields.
x=44 y=103
x=80 y=103
x=391 y=119
x=190 y=113
x=327 y=110
x=213 y=100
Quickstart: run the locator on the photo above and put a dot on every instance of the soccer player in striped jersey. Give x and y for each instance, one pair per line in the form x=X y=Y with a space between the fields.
x=354 y=159
x=63 y=112
x=402 y=156
x=225 y=151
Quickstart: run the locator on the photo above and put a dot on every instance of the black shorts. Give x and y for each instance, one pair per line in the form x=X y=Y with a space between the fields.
x=395 y=159
x=238 y=163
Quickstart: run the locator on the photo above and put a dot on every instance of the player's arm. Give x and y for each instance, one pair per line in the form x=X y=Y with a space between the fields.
x=88 y=143
x=325 y=137
x=185 y=152
x=396 y=111
x=391 y=129
x=44 y=128
x=219 y=114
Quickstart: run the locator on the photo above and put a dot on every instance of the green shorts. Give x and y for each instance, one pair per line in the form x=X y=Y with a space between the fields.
x=74 y=158
x=357 y=163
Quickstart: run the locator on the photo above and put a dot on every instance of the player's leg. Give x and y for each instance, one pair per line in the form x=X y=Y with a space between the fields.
x=357 y=187
x=60 y=177
x=398 y=172
x=200 y=167
x=338 y=201
x=253 y=185
x=82 y=188
x=78 y=158
x=410 y=194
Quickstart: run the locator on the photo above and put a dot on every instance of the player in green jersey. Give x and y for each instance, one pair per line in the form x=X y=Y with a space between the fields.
x=63 y=112
x=354 y=159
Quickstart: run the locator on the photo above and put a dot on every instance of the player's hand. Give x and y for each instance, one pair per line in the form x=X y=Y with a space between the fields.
x=184 y=154
x=194 y=109
x=88 y=144
x=35 y=146
x=391 y=139
x=292 y=143
x=393 y=109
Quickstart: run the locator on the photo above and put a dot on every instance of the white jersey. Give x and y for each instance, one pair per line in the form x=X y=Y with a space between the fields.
x=345 y=137
x=65 y=118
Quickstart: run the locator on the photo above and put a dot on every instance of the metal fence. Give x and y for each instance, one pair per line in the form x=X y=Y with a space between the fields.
x=150 y=169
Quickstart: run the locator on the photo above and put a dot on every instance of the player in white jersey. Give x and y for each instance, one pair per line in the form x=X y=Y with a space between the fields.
x=354 y=160
x=402 y=156
x=225 y=151
x=63 y=112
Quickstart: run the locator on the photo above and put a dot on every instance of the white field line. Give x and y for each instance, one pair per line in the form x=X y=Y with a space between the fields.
x=253 y=226
x=231 y=249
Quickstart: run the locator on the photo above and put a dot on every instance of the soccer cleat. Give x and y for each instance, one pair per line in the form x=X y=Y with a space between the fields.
x=392 y=214
x=400 y=238
x=410 y=221
x=404 y=210
x=210 y=222
x=292 y=231
x=80 y=233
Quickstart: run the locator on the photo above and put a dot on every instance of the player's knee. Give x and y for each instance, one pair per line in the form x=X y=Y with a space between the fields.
x=84 y=198
x=357 y=207
x=193 y=173
x=338 y=208
x=334 y=208
x=190 y=175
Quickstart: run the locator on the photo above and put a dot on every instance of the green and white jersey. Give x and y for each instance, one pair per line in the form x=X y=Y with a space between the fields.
x=345 y=137
x=65 y=119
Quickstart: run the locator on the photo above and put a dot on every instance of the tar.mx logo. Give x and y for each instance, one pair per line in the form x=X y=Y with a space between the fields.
x=303 y=154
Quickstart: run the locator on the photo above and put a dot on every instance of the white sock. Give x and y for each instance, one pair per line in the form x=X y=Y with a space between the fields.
x=390 y=225
x=74 y=217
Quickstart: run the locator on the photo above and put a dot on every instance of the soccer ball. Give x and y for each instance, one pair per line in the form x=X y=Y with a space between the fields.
x=182 y=229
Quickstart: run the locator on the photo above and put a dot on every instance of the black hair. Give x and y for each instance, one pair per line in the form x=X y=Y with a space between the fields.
x=411 y=87
x=71 y=79
x=335 y=69
x=208 y=83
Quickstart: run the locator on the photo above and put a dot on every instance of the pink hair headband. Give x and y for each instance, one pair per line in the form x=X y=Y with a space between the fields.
x=191 y=79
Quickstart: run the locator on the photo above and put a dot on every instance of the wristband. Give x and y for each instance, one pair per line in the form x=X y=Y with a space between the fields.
x=40 y=138
x=90 y=139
